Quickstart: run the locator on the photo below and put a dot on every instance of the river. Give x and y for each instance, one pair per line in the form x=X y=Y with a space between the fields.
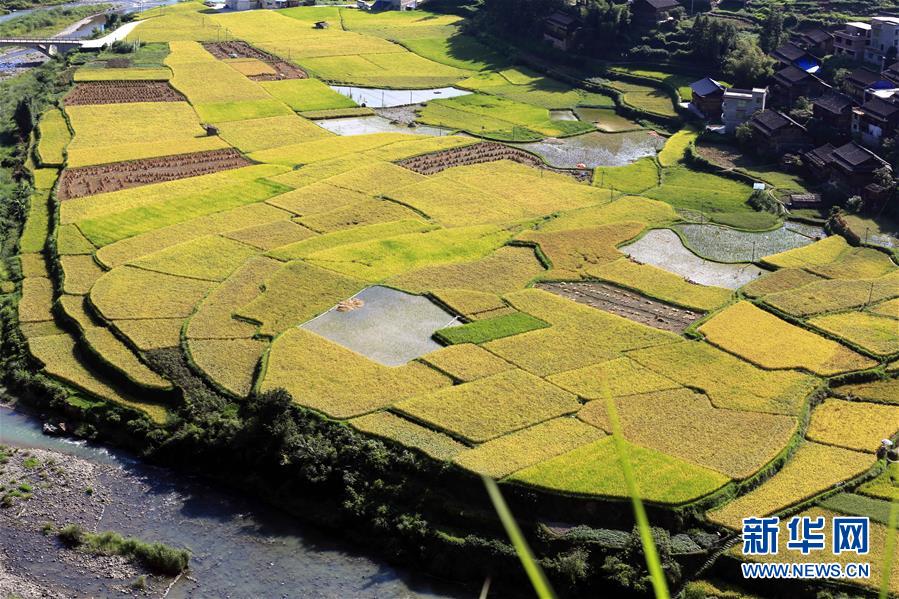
x=240 y=547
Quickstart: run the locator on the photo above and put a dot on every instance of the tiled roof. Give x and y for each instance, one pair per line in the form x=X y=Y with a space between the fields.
x=820 y=156
x=833 y=102
x=862 y=77
x=816 y=35
x=662 y=4
x=791 y=75
x=789 y=52
x=852 y=156
x=771 y=121
x=880 y=108
x=706 y=86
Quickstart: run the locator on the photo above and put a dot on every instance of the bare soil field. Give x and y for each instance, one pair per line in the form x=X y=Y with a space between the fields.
x=90 y=180
x=488 y=151
x=238 y=49
x=122 y=92
x=628 y=304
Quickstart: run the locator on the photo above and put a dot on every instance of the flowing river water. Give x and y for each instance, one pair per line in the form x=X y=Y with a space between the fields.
x=240 y=547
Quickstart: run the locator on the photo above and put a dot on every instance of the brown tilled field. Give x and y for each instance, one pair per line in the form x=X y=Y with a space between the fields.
x=237 y=49
x=122 y=92
x=627 y=304
x=89 y=180
x=488 y=151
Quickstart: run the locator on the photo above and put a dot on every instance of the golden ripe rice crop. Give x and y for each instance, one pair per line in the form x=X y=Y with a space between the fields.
x=316 y=198
x=57 y=353
x=877 y=334
x=115 y=353
x=375 y=178
x=473 y=305
x=252 y=215
x=505 y=270
x=684 y=424
x=307 y=247
x=487 y=408
x=622 y=376
x=580 y=335
x=127 y=292
x=210 y=258
x=390 y=426
x=853 y=424
x=151 y=333
x=802 y=477
x=888 y=308
x=228 y=363
x=833 y=295
x=270 y=236
x=37 y=300
x=33 y=265
x=379 y=259
x=213 y=318
x=507 y=454
x=466 y=362
x=885 y=391
x=784 y=279
x=365 y=212
x=307 y=94
x=203 y=78
x=819 y=253
x=594 y=469
x=80 y=273
x=770 y=342
x=250 y=67
x=127 y=74
x=54 y=137
x=629 y=208
x=328 y=148
x=575 y=250
x=270 y=132
x=338 y=382
x=661 y=284
x=70 y=241
x=728 y=381
x=295 y=293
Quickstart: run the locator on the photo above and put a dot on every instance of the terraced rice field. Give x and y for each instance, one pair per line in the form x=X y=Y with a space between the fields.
x=455 y=348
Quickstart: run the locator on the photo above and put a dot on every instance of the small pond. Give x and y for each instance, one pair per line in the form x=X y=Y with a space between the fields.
x=374 y=97
x=663 y=248
x=596 y=149
x=363 y=125
x=606 y=119
x=390 y=327
x=724 y=244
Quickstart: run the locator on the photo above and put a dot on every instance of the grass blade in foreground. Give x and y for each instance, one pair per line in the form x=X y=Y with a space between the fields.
x=533 y=569
x=889 y=552
x=656 y=575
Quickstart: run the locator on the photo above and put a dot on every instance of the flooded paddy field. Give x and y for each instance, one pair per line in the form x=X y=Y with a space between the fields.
x=724 y=244
x=386 y=325
x=664 y=249
x=374 y=97
x=596 y=149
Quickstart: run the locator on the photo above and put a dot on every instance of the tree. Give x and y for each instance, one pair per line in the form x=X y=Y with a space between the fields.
x=772 y=33
x=746 y=65
x=802 y=110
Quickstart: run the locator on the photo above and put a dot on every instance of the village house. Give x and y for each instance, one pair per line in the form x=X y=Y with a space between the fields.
x=708 y=97
x=874 y=120
x=816 y=42
x=740 y=104
x=851 y=167
x=884 y=41
x=834 y=111
x=852 y=40
x=561 y=30
x=792 y=55
x=792 y=82
x=858 y=81
x=776 y=133
x=891 y=73
x=650 y=12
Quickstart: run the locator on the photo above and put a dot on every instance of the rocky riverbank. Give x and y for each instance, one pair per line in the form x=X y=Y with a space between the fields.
x=41 y=491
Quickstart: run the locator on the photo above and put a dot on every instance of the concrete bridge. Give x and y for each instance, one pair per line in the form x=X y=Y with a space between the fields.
x=51 y=46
